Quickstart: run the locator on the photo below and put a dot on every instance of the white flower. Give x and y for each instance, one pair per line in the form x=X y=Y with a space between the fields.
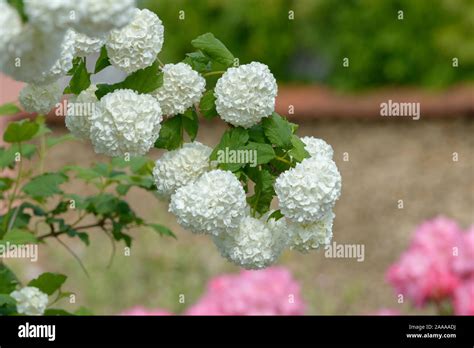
x=180 y=167
x=40 y=99
x=182 y=87
x=317 y=147
x=305 y=237
x=246 y=94
x=51 y=15
x=64 y=63
x=86 y=45
x=136 y=45
x=30 y=54
x=125 y=122
x=30 y=301
x=10 y=24
x=212 y=204
x=98 y=17
x=253 y=245
x=309 y=191
x=80 y=108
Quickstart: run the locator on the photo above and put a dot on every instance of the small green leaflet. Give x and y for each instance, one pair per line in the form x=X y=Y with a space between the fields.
x=207 y=105
x=9 y=109
x=102 y=61
x=48 y=283
x=45 y=185
x=163 y=230
x=214 y=49
x=20 y=131
x=278 y=130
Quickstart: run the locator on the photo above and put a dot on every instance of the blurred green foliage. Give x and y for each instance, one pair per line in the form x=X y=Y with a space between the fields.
x=382 y=49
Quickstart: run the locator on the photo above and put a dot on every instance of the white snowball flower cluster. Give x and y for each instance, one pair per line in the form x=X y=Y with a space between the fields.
x=125 y=122
x=86 y=45
x=253 y=245
x=182 y=88
x=180 y=167
x=318 y=147
x=52 y=15
x=309 y=191
x=79 y=113
x=30 y=301
x=10 y=24
x=305 y=237
x=212 y=204
x=100 y=17
x=246 y=94
x=136 y=45
x=40 y=99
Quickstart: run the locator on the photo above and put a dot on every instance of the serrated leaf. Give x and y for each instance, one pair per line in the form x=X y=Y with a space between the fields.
x=48 y=283
x=171 y=136
x=9 y=109
x=264 y=192
x=264 y=152
x=6 y=300
x=163 y=230
x=20 y=131
x=8 y=156
x=45 y=185
x=214 y=49
x=278 y=130
x=81 y=79
x=8 y=280
x=191 y=123
x=298 y=152
x=142 y=81
x=18 y=237
x=102 y=61
x=198 y=61
x=207 y=105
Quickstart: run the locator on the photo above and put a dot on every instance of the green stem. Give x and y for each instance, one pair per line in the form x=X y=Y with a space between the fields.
x=213 y=73
x=15 y=188
x=281 y=159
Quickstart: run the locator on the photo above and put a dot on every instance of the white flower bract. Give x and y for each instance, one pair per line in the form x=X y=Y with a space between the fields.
x=86 y=45
x=30 y=301
x=78 y=117
x=309 y=191
x=253 y=245
x=40 y=99
x=98 y=18
x=136 y=45
x=317 y=147
x=180 y=167
x=212 y=204
x=305 y=237
x=182 y=88
x=125 y=122
x=246 y=94
x=52 y=15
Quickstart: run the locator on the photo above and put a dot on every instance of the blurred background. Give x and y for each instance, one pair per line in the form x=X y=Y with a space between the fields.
x=405 y=56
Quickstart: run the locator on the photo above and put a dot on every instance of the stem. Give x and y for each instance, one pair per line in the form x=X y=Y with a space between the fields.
x=281 y=159
x=15 y=187
x=54 y=233
x=159 y=61
x=213 y=73
x=78 y=259
x=42 y=154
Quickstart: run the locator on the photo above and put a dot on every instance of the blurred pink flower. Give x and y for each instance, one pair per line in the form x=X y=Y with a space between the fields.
x=386 y=311
x=272 y=291
x=463 y=264
x=421 y=276
x=463 y=300
x=141 y=311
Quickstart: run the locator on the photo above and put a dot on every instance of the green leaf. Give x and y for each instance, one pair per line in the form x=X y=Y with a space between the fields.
x=20 y=131
x=8 y=280
x=142 y=81
x=81 y=80
x=20 y=7
x=207 y=105
x=57 y=312
x=264 y=192
x=171 y=136
x=278 y=130
x=6 y=300
x=18 y=237
x=191 y=123
x=8 y=156
x=83 y=311
x=53 y=141
x=48 y=283
x=198 y=61
x=214 y=49
x=86 y=174
x=45 y=185
x=102 y=61
x=257 y=134
x=163 y=230
x=298 y=151
x=9 y=109
x=233 y=139
x=277 y=215
x=264 y=152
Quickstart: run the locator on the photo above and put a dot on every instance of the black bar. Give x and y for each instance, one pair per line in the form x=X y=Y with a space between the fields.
x=292 y=331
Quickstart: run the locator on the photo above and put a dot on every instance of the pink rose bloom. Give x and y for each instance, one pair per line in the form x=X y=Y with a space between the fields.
x=463 y=299
x=463 y=264
x=386 y=311
x=141 y=311
x=421 y=275
x=272 y=291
